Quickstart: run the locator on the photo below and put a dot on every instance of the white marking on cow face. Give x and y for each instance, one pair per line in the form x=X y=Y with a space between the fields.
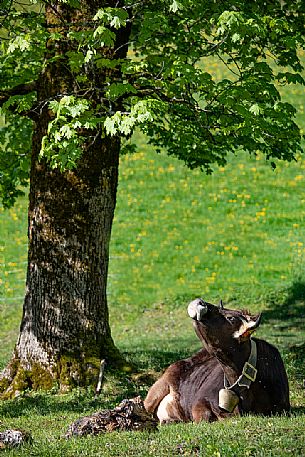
x=197 y=309
x=246 y=328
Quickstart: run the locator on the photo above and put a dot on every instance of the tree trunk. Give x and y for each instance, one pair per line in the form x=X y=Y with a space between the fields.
x=64 y=331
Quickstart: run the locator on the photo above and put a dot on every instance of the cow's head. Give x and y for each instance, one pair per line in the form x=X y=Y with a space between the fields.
x=221 y=328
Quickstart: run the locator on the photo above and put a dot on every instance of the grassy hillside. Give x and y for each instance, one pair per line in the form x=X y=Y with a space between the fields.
x=238 y=235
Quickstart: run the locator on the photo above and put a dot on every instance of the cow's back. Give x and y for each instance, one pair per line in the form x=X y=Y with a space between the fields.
x=271 y=389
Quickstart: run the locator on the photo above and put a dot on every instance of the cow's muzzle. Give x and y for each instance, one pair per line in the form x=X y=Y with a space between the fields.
x=197 y=309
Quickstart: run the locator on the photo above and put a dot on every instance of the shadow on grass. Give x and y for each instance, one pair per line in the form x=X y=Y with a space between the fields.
x=157 y=359
x=298 y=411
x=80 y=401
x=287 y=306
x=44 y=404
x=284 y=316
x=284 y=323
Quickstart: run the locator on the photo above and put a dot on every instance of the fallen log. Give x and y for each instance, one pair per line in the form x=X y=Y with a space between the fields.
x=13 y=438
x=128 y=415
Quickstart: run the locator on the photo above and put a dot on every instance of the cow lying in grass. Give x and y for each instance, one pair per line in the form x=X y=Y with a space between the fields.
x=232 y=374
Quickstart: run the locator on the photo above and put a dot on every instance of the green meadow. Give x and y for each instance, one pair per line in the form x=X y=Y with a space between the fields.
x=237 y=235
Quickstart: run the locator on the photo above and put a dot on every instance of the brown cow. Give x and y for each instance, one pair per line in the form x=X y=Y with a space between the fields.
x=232 y=374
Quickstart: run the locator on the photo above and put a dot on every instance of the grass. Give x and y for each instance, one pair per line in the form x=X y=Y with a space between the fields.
x=238 y=235
x=238 y=437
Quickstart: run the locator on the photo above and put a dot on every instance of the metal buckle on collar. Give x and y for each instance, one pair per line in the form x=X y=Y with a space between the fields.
x=249 y=371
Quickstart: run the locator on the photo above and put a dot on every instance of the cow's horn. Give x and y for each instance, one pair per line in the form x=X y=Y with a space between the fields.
x=220 y=305
x=257 y=321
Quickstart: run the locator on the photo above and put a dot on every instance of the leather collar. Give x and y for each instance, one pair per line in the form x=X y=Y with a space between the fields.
x=249 y=371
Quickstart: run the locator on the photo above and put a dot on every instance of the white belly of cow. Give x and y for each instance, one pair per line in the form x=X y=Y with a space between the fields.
x=164 y=408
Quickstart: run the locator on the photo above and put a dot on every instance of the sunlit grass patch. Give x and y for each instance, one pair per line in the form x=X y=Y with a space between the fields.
x=201 y=234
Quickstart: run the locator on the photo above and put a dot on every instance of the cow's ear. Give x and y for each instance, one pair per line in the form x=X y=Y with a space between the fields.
x=247 y=327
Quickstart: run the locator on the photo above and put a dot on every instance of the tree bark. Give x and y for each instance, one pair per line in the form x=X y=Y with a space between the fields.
x=65 y=332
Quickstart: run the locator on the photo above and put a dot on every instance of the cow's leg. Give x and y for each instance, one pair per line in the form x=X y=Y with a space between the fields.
x=202 y=411
x=163 y=397
x=169 y=410
x=156 y=393
x=220 y=414
x=163 y=400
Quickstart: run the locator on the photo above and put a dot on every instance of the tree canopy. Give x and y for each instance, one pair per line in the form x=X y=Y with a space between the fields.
x=164 y=86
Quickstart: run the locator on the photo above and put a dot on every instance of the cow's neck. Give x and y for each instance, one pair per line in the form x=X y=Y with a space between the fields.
x=232 y=359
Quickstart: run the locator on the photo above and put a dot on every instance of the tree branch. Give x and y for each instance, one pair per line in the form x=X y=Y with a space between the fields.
x=21 y=89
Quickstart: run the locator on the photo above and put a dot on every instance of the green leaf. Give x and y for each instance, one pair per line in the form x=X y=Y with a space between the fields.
x=116 y=90
x=236 y=37
x=22 y=42
x=255 y=109
x=110 y=126
x=115 y=22
x=88 y=56
x=76 y=60
x=175 y=6
x=67 y=131
x=105 y=36
x=291 y=78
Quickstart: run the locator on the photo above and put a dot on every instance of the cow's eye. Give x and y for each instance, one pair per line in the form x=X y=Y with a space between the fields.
x=232 y=319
